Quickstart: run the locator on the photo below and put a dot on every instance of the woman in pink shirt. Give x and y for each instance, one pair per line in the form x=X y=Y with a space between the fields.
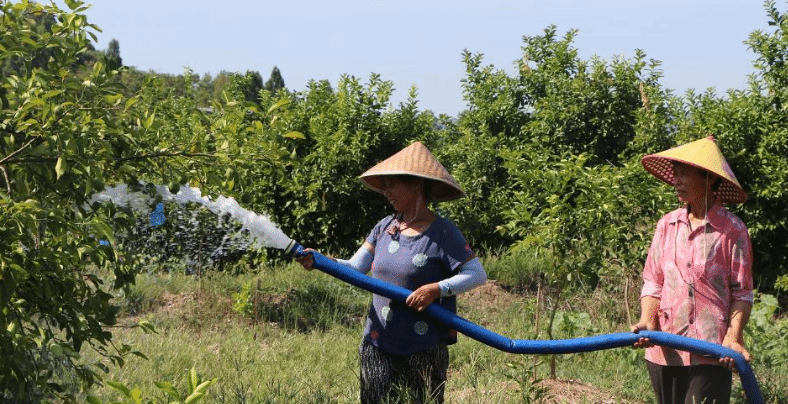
x=697 y=280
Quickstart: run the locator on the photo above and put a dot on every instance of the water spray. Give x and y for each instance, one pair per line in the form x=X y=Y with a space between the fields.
x=535 y=347
x=262 y=231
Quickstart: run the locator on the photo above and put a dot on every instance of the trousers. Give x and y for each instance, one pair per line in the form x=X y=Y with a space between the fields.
x=413 y=379
x=700 y=384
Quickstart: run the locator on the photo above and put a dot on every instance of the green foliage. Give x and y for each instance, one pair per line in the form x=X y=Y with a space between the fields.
x=519 y=270
x=523 y=372
x=581 y=216
x=766 y=333
x=197 y=389
x=581 y=106
x=192 y=239
x=550 y=155
x=67 y=130
x=318 y=198
x=113 y=59
x=557 y=107
x=764 y=337
x=275 y=82
x=55 y=151
x=249 y=85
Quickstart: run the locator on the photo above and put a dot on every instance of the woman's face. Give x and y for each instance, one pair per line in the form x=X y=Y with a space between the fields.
x=402 y=194
x=691 y=183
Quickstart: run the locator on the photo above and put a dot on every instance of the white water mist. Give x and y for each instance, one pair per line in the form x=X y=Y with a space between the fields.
x=262 y=231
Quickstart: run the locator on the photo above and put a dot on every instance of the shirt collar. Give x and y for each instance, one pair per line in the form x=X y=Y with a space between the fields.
x=714 y=216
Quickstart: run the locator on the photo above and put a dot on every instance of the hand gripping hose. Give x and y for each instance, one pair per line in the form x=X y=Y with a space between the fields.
x=540 y=347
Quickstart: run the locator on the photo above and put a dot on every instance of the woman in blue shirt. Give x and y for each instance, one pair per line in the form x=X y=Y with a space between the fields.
x=403 y=350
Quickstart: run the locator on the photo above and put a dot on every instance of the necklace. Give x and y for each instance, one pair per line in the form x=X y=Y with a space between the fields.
x=398 y=225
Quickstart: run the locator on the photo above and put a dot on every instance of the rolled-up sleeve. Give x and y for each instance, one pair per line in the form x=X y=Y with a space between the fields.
x=741 y=281
x=652 y=272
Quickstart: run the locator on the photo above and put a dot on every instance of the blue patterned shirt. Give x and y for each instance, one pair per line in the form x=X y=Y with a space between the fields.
x=411 y=262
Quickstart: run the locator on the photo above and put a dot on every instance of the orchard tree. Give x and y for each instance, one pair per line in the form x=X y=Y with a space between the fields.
x=63 y=137
x=750 y=128
x=556 y=105
x=317 y=196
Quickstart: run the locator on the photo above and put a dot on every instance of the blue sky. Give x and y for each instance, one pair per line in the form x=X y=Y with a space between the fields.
x=420 y=43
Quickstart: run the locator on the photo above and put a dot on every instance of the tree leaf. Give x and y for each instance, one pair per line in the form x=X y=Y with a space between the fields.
x=294 y=135
x=280 y=103
x=167 y=388
x=93 y=400
x=193 y=379
x=120 y=387
x=61 y=167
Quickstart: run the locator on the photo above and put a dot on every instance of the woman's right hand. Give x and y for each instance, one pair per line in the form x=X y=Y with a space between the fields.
x=643 y=342
x=307 y=260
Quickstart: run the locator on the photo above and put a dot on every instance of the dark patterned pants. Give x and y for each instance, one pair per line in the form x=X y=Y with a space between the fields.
x=419 y=378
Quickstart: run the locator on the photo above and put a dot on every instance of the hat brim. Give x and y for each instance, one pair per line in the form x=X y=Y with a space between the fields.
x=662 y=168
x=415 y=160
x=440 y=190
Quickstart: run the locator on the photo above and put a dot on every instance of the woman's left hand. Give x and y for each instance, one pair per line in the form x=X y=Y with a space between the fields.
x=737 y=346
x=423 y=296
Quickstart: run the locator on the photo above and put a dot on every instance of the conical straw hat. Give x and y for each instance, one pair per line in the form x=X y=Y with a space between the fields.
x=418 y=161
x=703 y=154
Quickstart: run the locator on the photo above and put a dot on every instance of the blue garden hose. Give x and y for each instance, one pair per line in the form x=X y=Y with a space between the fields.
x=540 y=347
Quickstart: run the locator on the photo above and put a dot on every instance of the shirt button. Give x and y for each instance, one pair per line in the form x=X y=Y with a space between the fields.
x=690 y=292
x=689 y=264
x=691 y=321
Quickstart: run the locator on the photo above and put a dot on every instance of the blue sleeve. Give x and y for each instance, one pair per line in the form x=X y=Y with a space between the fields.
x=470 y=275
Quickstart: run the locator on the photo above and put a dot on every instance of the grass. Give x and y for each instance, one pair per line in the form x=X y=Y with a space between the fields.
x=297 y=342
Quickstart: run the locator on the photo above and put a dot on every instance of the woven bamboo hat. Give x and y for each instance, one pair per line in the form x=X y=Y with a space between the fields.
x=703 y=154
x=418 y=161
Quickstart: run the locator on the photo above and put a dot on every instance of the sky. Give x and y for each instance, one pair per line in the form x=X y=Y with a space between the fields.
x=420 y=42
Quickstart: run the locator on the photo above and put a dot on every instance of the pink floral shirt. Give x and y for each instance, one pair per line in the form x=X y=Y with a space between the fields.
x=697 y=275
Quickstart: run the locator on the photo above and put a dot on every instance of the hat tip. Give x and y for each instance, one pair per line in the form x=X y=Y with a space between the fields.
x=710 y=137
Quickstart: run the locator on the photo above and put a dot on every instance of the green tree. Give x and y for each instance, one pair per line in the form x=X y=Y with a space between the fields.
x=250 y=85
x=756 y=124
x=63 y=136
x=113 y=59
x=220 y=83
x=275 y=81
x=555 y=105
x=204 y=90
x=317 y=197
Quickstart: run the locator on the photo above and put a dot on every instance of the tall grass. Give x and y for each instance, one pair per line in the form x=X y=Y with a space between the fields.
x=285 y=335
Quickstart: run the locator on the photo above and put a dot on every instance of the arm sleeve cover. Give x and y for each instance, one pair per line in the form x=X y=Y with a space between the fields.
x=471 y=274
x=361 y=260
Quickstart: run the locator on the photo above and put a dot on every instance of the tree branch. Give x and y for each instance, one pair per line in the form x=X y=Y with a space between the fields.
x=23 y=160
x=7 y=182
x=157 y=155
x=118 y=160
x=20 y=150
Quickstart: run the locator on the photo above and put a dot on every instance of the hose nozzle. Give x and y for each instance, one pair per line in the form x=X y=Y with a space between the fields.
x=295 y=249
